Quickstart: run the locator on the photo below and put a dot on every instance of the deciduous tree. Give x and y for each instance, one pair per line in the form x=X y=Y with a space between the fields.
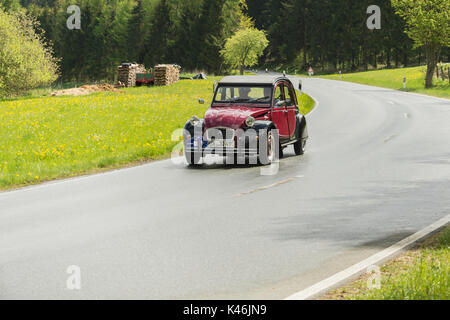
x=428 y=24
x=244 y=48
x=25 y=62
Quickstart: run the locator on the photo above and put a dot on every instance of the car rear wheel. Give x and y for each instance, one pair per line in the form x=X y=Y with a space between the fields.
x=299 y=147
x=281 y=151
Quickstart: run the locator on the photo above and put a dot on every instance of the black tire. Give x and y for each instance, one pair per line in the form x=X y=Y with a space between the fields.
x=239 y=159
x=299 y=147
x=271 y=156
x=192 y=158
x=231 y=159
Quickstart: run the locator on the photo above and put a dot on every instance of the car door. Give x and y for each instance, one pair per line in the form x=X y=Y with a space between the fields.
x=291 y=108
x=279 y=113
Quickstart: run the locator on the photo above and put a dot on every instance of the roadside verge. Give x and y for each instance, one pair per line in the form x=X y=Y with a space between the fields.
x=420 y=273
x=358 y=269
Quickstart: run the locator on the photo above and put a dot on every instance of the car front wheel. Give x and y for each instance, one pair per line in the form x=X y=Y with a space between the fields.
x=192 y=158
x=270 y=153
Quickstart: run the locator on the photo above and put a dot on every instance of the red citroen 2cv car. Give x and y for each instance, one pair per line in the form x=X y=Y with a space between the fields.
x=249 y=116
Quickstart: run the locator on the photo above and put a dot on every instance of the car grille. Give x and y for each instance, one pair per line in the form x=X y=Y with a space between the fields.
x=226 y=133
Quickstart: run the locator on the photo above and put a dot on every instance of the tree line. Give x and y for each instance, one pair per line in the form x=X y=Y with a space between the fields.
x=332 y=35
x=329 y=35
x=189 y=33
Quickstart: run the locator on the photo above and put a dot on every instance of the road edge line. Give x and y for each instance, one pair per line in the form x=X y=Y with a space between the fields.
x=81 y=177
x=357 y=269
x=316 y=105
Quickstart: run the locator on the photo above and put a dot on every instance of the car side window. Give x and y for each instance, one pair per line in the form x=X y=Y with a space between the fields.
x=278 y=96
x=288 y=94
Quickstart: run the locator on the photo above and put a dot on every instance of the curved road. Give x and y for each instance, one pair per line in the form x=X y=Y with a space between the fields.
x=377 y=169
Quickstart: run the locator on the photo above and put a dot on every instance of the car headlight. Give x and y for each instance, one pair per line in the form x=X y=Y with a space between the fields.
x=250 y=122
x=195 y=121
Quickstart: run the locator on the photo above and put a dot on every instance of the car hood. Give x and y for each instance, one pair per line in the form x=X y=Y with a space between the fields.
x=231 y=117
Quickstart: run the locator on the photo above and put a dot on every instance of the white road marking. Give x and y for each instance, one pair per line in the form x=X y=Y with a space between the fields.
x=81 y=177
x=389 y=138
x=339 y=278
x=276 y=184
x=264 y=188
x=316 y=106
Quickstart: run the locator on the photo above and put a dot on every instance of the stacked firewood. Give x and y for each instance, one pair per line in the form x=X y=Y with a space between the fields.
x=126 y=74
x=166 y=74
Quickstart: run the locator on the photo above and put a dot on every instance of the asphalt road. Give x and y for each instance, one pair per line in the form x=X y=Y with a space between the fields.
x=377 y=169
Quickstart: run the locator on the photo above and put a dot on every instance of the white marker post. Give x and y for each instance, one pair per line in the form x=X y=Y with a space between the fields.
x=404 y=82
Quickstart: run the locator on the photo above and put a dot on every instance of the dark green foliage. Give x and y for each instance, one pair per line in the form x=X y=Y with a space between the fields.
x=135 y=29
x=9 y=5
x=158 y=40
x=330 y=35
x=189 y=33
x=208 y=27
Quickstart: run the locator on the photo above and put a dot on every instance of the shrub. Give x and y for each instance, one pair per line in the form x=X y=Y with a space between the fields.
x=25 y=61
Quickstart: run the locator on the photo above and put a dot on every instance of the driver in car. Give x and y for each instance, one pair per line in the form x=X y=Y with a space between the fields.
x=278 y=95
x=244 y=93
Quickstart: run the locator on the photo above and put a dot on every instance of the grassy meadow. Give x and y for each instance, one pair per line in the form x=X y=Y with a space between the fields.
x=47 y=138
x=393 y=79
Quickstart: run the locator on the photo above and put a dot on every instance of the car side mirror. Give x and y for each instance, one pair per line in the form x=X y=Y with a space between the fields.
x=201 y=101
x=281 y=103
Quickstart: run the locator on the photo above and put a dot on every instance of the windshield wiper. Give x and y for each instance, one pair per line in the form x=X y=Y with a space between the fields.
x=259 y=99
x=236 y=100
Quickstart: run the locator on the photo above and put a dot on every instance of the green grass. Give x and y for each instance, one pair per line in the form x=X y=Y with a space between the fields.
x=46 y=91
x=53 y=137
x=238 y=73
x=233 y=73
x=393 y=79
x=306 y=103
x=420 y=274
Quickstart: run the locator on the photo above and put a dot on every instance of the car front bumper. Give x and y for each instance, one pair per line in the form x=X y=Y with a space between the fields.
x=199 y=146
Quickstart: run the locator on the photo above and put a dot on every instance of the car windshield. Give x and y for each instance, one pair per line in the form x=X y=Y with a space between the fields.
x=244 y=94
